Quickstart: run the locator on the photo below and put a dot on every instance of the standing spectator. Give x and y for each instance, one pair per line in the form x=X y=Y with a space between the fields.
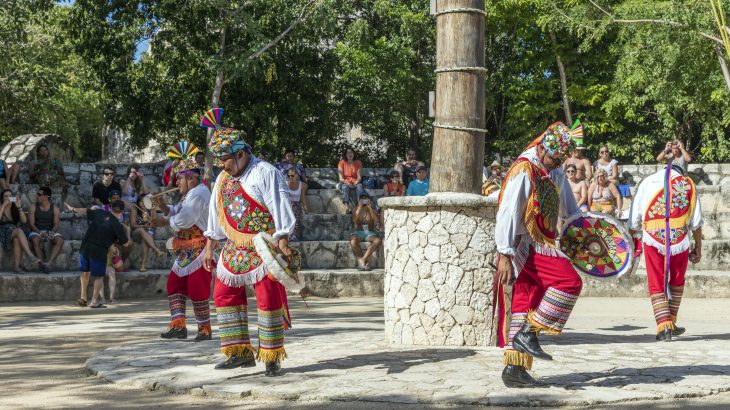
x=297 y=200
x=419 y=186
x=200 y=159
x=169 y=177
x=606 y=163
x=350 y=173
x=603 y=195
x=133 y=186
x=579 y=187
x=103 y=232
x=142 y=232
x=8 y=175
x=45 y=171
x=44 y=220
x=674 y=151
x=394 y=187
x=583 y=170
x=100 y=191
x=11 y=235
x=407 y=168
x=363 y=223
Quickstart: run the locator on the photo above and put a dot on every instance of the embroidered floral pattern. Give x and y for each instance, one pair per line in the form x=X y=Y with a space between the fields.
x=240 y=260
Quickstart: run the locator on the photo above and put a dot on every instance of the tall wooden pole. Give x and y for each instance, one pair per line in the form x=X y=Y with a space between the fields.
x=458 y=141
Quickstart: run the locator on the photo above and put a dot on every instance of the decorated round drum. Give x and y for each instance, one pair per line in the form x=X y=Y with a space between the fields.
x=598 y=245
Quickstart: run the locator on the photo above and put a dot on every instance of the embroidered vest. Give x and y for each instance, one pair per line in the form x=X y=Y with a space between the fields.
x=541 y=213
x=241 y=217
x=189 y=244
x=682 y=203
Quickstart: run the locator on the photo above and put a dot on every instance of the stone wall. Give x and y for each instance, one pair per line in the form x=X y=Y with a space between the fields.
x=115 y=148
x=438 y=278
x=22 y=149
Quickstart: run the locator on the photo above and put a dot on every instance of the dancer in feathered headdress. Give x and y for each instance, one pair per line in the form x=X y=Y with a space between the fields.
x=249 y=196
x=534 y=194
x=188 y=220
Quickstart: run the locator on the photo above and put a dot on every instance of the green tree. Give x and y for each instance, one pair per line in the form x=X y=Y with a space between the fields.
x=44 y=86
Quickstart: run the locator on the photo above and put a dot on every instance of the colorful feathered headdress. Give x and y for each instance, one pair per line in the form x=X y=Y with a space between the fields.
x=182 y=150
x=556 y=140
x=225 y=140
x=576 y=133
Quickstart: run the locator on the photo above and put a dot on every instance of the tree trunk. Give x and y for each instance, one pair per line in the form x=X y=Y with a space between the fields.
x=214 y=103
x=563 y=82
x=458 y=155
x=723 y=65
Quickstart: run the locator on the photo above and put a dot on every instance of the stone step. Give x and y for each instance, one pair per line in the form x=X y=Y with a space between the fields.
x=326 y=227
x=316 y=255
x=323 y=178
x=36 y=287
x=329 y=201
x=328 y=283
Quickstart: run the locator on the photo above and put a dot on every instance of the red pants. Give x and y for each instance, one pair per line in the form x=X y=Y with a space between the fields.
x=196 y=285
x=270 y=295
x=655 y=269
x=665 y=309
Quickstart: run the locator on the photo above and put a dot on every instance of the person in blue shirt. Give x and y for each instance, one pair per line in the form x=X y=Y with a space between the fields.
x=419 y=186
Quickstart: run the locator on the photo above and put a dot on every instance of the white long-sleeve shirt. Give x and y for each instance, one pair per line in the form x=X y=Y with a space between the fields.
x=266 y=185
x=645 y=193
x=192 y=210
x=511 y=235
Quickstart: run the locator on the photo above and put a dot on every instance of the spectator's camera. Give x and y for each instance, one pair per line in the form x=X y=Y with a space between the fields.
x=13 y=199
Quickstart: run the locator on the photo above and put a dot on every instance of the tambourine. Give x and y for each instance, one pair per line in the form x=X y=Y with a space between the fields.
x=287 y=272
x=598 y=245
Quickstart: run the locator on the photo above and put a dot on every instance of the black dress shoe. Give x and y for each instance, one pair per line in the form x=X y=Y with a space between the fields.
x=525 y=341
x=678 y=331
x=237 y=361
x=517 y=376
x=202 y=336
x=664 y=336
x=175 y=334
x=273 y=369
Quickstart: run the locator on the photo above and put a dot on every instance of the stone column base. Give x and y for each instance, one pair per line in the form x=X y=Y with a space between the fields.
x=438 y=281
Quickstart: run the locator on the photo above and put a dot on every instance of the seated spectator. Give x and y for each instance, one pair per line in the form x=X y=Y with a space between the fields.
x=603 y=195
x=363 y=222
x=142 y=233
x=491 y=178
x=8 y=175
x=169 y=177
x=394 y=187
x=606 y=163
x=12 y=236
x=133 y=186
x=675 y=152
x=419 y=186
x=101 y=189
x=45 y=171
x=297 y=200
x=579 y=187
x=290 y=162
x=103 y=232
x=407 y=168
x=350 y=174
x=45 y=220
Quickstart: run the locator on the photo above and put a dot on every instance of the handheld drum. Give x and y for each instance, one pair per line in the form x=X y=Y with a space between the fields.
x=598 y=245
x=288 y=273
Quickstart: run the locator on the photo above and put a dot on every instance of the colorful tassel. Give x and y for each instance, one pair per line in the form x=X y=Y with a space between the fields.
x=515 y=358
x=240 y=350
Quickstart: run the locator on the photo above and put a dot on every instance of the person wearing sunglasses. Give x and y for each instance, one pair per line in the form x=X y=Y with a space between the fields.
x=102 y=189
x=44 y=219
x=606 y=163
x=394 y=187
x=579 y=187
x=297 y=199
x=534 y=196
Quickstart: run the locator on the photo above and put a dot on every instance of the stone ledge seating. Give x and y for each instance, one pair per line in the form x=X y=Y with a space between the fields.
x=325 y=239
x=325 y=234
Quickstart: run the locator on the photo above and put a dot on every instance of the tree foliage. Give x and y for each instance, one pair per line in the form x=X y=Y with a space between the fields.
x=44 y=86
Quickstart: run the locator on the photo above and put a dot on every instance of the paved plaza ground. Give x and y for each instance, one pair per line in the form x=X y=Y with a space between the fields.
x=55 y=355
